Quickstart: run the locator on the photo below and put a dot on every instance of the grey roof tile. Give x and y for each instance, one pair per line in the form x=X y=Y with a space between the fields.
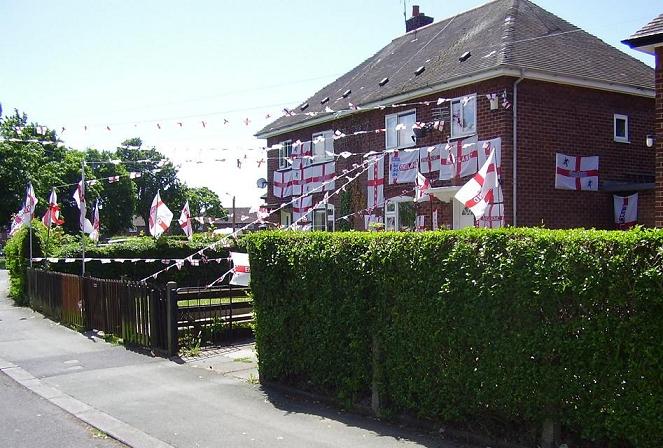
x=501 y=33
x=652 y=28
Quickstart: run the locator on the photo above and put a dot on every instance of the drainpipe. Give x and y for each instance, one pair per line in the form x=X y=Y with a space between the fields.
x=515 y=146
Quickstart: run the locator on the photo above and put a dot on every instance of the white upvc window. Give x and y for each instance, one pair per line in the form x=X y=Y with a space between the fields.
x=285 y=152
x=286 y=218
x=399 y=133
x=620 y=127
x=322 y=146
x=399 y=213
x=464 y=116
x=323 y=218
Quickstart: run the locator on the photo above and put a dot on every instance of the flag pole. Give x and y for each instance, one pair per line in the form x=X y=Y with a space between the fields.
x=30 y=227
x=82 y=220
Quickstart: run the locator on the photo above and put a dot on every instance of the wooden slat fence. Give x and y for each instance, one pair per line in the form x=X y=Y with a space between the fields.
x=59 y=296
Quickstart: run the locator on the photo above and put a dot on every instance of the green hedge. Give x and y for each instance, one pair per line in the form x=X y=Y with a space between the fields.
x=17 y=253
x=515 y=325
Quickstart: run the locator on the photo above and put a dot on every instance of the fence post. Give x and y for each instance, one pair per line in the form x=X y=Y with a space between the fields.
x=171 y=317
x=154 y=319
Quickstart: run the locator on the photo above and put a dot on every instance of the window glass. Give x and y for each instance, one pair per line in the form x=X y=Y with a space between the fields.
x=285 y=151
x=463 y=116
x=621 y=128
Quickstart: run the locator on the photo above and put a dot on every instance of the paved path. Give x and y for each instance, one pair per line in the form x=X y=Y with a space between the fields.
x=154 y=402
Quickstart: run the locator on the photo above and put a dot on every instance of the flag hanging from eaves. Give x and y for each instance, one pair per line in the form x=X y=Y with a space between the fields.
x=576 y=172
x=626 y=210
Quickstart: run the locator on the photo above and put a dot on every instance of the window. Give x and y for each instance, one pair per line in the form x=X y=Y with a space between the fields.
x=621 y=128
x=323 y=146
x=319 y=214
x=286 y=218
x=399 y=133
x=464 y=116
x=400 y=213
x=285 y=151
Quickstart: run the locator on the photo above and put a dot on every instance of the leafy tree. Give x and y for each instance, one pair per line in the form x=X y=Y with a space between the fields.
x=205 y=202
x=164 y=180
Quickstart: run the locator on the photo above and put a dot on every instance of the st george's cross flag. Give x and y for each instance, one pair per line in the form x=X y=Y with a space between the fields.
x=319 y=177
x=421 y=187
x=282 y=185
x=576 y=172
x=429 y=158
x=94 y=234
x=241 y=269
x=185 y=221
x=300 y=209
x=403 y=166
x=459 y=158
x=52 y=215
x=160 y=217
x=478 y=193
x=375 y=194
x=301 y=158
x=493 y=217
x=79 y=196
x=24 y=216
x=626 y=210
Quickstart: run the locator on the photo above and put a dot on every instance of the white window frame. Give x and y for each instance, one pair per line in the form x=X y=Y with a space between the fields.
x=395 y=201
x=460 y=100
x=319 y=150
x=619 y=138
x=286 y=217
x=404 y=136
x=329 y=224
x=285 y=152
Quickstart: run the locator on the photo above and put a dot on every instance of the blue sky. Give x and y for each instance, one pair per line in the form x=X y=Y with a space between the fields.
x=131 y=65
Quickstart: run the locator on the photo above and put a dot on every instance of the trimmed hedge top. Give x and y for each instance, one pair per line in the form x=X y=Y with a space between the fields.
x=517 y=325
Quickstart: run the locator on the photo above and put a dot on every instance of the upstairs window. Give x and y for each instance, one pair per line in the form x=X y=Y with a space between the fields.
x=621 y=128
x=285 y=152
x=323 y=146
x=464 y=116
x=399 y=133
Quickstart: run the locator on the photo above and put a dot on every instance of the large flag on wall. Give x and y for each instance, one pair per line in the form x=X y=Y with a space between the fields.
x=421 y=187
x=478 y=193
x=282 y=185
x=576 y=172
x=493 y=217
x=160 y=217
x=185 y=220
x=317 y=175
x=403 y=166
x=429 y=158
x=375 y=195
x=301 y=157
x=300 y=208
x=459 y=158
x=626 y=210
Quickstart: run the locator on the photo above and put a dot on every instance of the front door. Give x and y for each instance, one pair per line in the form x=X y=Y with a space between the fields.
x=463 y=217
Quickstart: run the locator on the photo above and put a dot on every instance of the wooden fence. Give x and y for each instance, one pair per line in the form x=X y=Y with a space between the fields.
x=138 y=313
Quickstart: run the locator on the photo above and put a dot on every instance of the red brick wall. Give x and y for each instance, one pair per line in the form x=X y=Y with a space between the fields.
x=552 y=118
x=659 y=137
x=576 y=121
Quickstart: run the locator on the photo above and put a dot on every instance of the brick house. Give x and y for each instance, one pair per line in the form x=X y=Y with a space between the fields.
x=506 y=70
x=649 y=39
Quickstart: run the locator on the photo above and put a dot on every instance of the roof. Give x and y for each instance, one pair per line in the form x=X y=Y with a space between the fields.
x=650 y=34
x=509 y=34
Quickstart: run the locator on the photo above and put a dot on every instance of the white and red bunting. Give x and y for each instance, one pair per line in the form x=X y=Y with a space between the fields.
x=576 y=172
x=459 y=158
x=429 y=158
x=403 y=166
x=282 y=184
x=241 y=269
x=626 y=210
x=319 y=177
x=493 y=217
x=301 y=208
x=375 y=194
x=479 y=192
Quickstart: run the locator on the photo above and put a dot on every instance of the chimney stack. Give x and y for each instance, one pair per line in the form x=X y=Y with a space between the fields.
x=417 y=20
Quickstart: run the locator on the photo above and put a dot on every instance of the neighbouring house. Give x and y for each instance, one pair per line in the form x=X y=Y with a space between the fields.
x=507 y=75
x=649 y=39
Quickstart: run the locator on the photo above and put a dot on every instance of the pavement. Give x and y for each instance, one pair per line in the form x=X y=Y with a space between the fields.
x=213 y=400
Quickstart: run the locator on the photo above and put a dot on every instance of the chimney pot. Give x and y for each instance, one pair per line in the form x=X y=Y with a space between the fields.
x=417 y=20
x=415 y=10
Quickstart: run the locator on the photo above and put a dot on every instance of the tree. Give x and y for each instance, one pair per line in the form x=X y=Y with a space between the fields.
x=205 y=202
x=164 y=180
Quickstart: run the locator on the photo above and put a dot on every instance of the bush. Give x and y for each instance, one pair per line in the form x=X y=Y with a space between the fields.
x=515 y=325
x=17 y=253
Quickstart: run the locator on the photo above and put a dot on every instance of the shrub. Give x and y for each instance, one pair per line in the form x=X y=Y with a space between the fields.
x=515 y=325
x=17 y=253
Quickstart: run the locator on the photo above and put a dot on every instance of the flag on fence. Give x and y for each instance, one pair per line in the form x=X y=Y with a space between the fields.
x=94 y=234
x=626 y=210
x=185 y=221
x=576 y=172
x=52 y=215
x=241 y=269
x=478 y=192
x=160 y=217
